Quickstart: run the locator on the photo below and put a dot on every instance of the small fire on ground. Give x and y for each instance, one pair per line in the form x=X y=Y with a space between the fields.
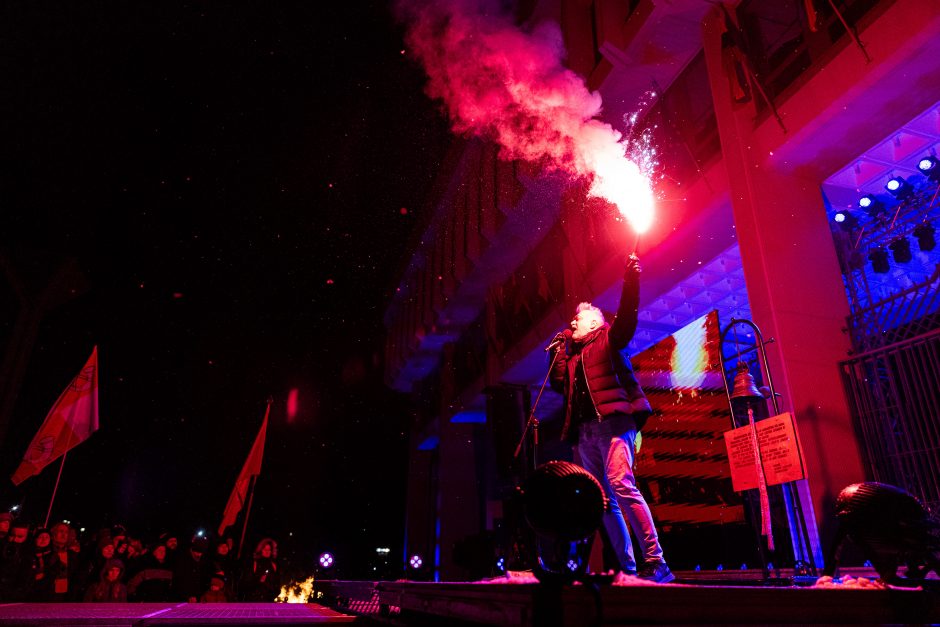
x=297 y=592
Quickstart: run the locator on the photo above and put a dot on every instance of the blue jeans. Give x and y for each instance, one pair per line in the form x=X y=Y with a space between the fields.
x=607 y=450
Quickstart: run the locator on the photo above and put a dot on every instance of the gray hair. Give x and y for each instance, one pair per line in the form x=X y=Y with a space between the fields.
x=591 y=308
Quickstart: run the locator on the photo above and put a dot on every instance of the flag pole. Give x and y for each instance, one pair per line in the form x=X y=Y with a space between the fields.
x=57 y=479
x=251 y=497
x=251 y=491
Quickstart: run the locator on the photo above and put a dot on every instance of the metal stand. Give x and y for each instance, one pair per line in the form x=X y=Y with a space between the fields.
x=522 y=550
x=533 y=423
x=804 y=564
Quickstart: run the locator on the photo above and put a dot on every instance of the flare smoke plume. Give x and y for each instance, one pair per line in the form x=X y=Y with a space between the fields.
x=511 y=87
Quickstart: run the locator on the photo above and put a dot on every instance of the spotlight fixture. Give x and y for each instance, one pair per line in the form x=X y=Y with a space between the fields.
x=845 y=219
x=326 y=560
x=879 y=260
x=899 y=187
x=415 y=562
x=901 y=250
x=872 y=204
x=564 y=504
x=930 y=167
x=890 y=526
x=926 y=239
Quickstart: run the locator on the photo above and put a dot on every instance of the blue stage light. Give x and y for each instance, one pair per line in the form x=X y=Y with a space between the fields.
x=899 y=187
x=930 y=167
x=926 y=238
x=901 y=250
x=845 y=219
x=879 y=260
x=872 y=204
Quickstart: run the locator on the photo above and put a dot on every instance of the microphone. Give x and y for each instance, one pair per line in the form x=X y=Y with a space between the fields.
x=560 y=338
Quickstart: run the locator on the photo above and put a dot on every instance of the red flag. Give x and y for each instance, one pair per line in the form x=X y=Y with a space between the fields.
x=71 y=420
x=252 y=468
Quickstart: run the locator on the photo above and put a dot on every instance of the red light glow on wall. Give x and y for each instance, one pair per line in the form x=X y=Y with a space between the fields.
x=291 y=405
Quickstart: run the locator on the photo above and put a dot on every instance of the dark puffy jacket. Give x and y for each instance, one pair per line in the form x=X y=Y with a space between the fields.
x=612 y=384
x=108 y=591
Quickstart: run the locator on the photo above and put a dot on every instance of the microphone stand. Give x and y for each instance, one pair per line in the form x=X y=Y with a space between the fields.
x=523 y=543
x=532 y=422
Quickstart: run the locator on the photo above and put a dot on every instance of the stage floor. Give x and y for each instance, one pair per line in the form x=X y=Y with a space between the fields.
x=166 y=614
x=722 y=601
x=575 y=606
x=407 y=603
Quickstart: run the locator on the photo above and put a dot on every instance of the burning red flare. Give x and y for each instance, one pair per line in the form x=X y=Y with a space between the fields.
x=511 y=87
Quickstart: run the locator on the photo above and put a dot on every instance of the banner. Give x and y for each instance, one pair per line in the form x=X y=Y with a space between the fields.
x=252 y=468
x=72 y=419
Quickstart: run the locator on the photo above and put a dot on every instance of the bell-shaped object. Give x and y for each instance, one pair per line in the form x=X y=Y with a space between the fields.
x=744 y=386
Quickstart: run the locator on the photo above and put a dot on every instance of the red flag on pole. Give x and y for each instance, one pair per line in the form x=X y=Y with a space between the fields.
x=252 y=468
x=71 y=420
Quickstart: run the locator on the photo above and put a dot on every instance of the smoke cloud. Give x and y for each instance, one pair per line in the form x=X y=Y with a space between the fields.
x=511 y=87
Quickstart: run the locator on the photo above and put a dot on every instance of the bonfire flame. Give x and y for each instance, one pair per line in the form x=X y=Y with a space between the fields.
x=511 y=87
x=297 y=592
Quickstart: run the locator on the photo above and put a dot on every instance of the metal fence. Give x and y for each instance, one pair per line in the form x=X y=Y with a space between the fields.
x=894 y=394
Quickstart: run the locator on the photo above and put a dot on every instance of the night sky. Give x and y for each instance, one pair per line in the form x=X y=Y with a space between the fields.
x=237 y=185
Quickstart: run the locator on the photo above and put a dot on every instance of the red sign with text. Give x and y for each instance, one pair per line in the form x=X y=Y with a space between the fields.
x=779 y=453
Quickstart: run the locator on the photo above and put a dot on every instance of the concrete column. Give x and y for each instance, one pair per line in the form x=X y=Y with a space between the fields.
x=795 y=291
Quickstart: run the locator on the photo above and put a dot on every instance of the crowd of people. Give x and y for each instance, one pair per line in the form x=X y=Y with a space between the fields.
x=54 y=565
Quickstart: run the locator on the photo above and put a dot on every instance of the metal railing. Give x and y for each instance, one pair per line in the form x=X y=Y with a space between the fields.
x=894 y=395
x=907 y=314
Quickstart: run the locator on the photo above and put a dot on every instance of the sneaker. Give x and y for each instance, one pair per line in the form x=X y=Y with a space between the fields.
x=657 y=572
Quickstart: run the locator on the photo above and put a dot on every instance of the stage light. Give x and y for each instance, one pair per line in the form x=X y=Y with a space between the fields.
x=326 y=560
x=564 y=504
x=501 y=564
x=930 y=167
x=879 y=260
x=872 y=204
x=415 y=562
x=901 y=250
x=899 y=188
x=845 y=220
x=890 y=526
x=926 y=239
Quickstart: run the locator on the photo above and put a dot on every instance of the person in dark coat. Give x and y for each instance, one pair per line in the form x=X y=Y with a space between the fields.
x=63 y=569
x=190 y=578
x=39 y=588
x=261 y=581
x=110 y=588
x=15 y=558
x=604 y=409
x=222 y=566
x=154 y=581
x=91 y=570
